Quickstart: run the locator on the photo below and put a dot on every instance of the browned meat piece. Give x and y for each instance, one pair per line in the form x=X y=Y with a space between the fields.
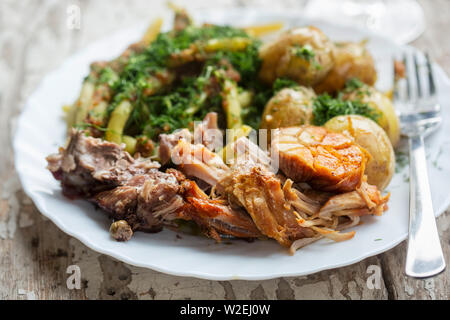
x=215 y=216
x=168 y=141
x=199 y=162
x=158 y=200
x=288 y=214
x=195 y=160
x=208 y=133
x=121 y=230
x=120 y=202
x=302 y=203
x=259 y=192
x=90 y=165
x=243 y=150
x=205 y=133
x=144 y=146
x=137 y=193
x=364 y=201
x=146 y=201
x=327 y=161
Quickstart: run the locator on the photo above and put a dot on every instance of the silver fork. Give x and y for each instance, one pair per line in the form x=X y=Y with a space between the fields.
x=419 y=116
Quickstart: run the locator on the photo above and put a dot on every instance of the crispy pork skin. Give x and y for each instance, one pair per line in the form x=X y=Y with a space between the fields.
x=260 y=192
x=327 y=161
x=215 y=216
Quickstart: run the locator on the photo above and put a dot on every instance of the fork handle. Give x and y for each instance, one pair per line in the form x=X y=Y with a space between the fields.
x=424 y=257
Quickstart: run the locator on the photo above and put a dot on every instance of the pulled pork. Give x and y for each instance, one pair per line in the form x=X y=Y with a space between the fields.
x=248 y=199
x=90 y=165
x=135 y=191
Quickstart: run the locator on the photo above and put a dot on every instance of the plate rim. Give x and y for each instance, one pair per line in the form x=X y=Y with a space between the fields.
x=40 y=202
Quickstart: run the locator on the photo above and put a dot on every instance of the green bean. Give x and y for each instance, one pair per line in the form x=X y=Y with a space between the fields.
x=117 y=122
x=130 y=144
x=231 y=104
x=84 y=102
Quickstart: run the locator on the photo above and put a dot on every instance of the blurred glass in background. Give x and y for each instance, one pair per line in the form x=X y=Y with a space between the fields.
x=401 y=20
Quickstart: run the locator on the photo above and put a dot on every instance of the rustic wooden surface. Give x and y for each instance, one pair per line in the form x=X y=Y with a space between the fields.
x=34 y=253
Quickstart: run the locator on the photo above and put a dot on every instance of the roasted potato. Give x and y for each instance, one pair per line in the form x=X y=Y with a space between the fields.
x=351 y=60
x=369 y=135
x=388 y=119
x=289 y=107
x=302 y=54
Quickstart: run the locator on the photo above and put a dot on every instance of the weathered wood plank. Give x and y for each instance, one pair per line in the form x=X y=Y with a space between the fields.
x=34 y=253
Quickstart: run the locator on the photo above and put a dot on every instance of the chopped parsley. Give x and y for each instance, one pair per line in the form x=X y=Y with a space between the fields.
x=356 y=85
x=401 y=160
x=307 y=53
x=353 y=84
x=326 y=107
x=165 y=97
x=281 y=83
x=175 y=81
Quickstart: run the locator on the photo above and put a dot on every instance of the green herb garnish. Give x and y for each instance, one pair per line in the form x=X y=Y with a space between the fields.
x=307 y=53
x=165 y=98
x=325 y=107
x=353 y=84
x=401 y=160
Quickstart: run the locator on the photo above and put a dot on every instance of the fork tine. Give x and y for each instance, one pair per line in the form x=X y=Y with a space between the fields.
x=430 y=75
x=408 y=81
x=416 y=68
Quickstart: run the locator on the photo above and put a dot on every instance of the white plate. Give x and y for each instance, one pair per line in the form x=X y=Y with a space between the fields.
x=41 y=130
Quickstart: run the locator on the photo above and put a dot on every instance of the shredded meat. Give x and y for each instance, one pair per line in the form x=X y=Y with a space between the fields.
x=145 y=202
x=208 y=133
x=215 y=216
x=90 y=165
x=198 y=161
x=366 y=200
x=245 y=151
x=168 y=141
x=135 y=191
x=248 y=200
x=327 y=161
x=259 y=192
x=288 y=214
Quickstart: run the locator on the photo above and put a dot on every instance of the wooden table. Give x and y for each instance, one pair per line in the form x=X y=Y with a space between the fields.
x=34 y=253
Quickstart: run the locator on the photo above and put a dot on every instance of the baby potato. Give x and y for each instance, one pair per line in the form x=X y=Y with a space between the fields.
x=388 y=119
x=302 y=54
x=289 y=107
x=351 y=60
x=369 y=135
